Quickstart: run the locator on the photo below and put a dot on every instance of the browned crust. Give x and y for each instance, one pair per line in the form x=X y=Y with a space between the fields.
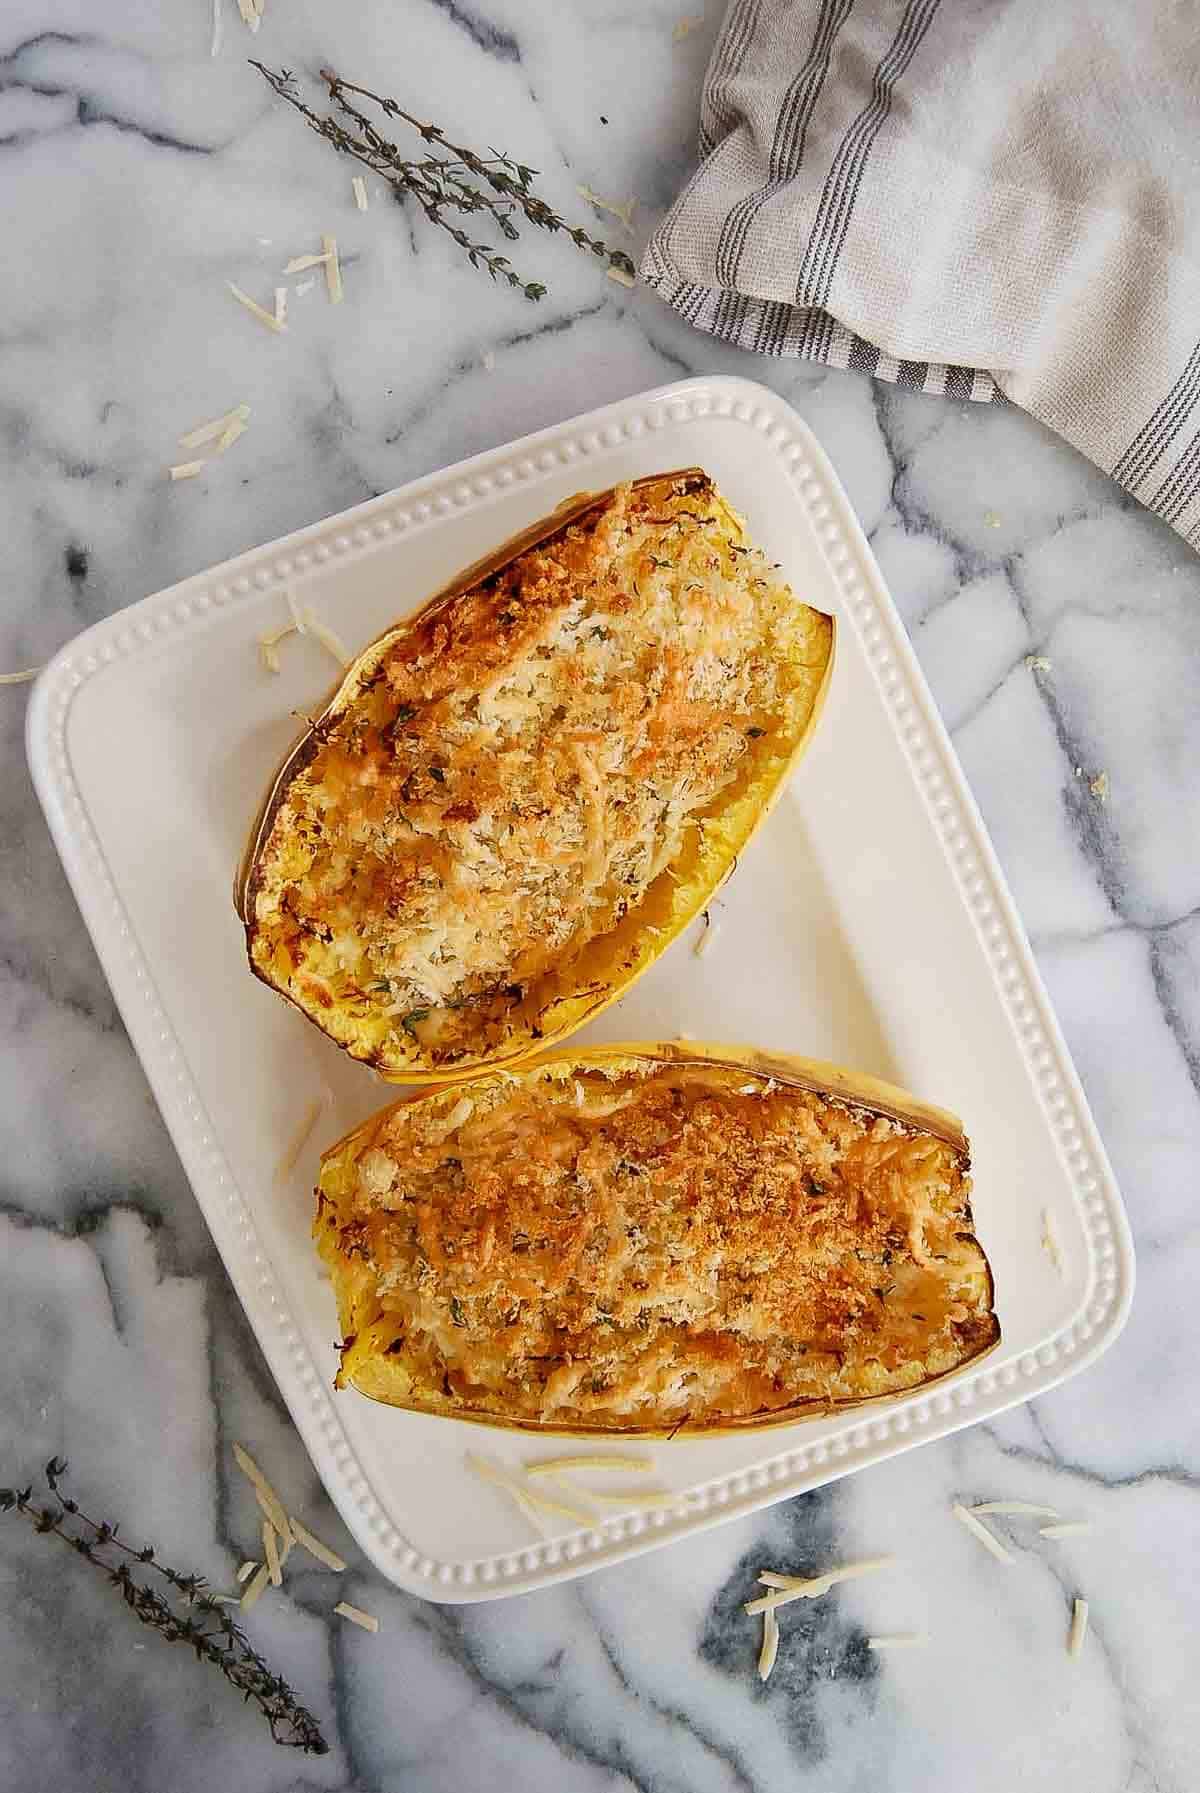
x=872 y=1095
x=593 y=994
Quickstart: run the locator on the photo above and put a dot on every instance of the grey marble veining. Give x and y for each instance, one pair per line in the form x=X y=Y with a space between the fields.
x=1060 y=629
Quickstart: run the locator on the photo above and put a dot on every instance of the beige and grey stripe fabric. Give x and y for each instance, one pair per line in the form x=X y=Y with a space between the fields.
x=988 y=199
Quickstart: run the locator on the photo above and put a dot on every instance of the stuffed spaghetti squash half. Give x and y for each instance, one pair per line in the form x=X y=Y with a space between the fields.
x=654 y=1238
x=520 y=795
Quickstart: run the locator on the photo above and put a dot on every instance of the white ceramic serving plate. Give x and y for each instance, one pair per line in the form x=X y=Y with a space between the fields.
x=868 y=923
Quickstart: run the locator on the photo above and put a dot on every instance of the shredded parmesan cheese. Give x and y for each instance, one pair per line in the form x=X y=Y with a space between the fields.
x=623 y=213
x=268 y=1500
x=621 y=277
x=185 y=469
x=20 y=678
x=557 y=1465
x=1051 y=1242
x=770 y=1645
x=229 y=435
x=251 y=16
x=1072 y=1528
x=488 y=1473
x=225 y=1599
x=256 y=310
x=271 y=1552
x=979 y=1530
x=299 y=263
x=312 y=1113
x=786 y=1588
x=333 y=270
x=325 y=635
x=314 y=1546
x=246 y=1570
x=1079 y=1625
x=1016 y=1506
x=360 y=192
x=489 y=361
x=289 y=598
x=281 y=305
x=268 y=643
x=255 y=1587
x=209 y=432
x=704 y=939
x=357 y=1616
x=900 y=1640
x=651 y=1497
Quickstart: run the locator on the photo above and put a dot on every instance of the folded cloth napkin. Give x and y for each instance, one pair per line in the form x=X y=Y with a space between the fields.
x=992 y=199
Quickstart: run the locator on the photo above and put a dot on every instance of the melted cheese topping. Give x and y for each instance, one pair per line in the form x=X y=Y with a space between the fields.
x=672 y=1248
x=522 y=767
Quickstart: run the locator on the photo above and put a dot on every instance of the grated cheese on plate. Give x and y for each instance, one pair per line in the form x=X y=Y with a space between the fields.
x=360 y=192
x=255 y=309
x=488 y=1473
x=281 y=305
x=1079 y=1625
x=1072 y=1528
x=770 y=1645
x=310 y=1542
x=299 y=263
x=312 y=1114
x=185 y=469
x=324 y=634
x=1051 y=1242
x=978 y=1530
x=557 y=1465
x=704 y=939
x=229 y=435
x=247 y=1569
x=298 y=623
x=268 y=643
x=366 y=1620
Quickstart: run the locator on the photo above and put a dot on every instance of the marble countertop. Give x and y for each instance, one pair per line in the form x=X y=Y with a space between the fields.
x=1059 y=627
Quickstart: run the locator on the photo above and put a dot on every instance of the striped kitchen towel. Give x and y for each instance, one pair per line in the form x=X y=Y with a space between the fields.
x=992 y=199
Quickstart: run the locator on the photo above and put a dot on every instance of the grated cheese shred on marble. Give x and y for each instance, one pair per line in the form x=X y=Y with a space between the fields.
x=255 y=1586
x=185 y=469
x=365 y=1620
x=1071 y=1528
x=256 y=310
x=1079 y=1625
x=209 y=432
x=20 y=678
x=281 y=305
x=268 y=1500
x=271 y=1553
x=621 y=277
x=978 y=1530
x=310 y=1542
x=246 y=1571
x=299 y=263
x=770 y=1645
x=360 y=192
x=786 y=1588
x=333 y=269
x=1016 y=1506
x=623 y=213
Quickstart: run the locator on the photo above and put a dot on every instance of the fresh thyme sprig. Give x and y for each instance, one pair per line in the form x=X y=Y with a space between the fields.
x=440 y=181
x=204 y=1624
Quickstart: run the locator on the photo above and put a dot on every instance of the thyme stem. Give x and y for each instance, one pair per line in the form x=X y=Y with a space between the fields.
x=457 y=182
x=204 y=1625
